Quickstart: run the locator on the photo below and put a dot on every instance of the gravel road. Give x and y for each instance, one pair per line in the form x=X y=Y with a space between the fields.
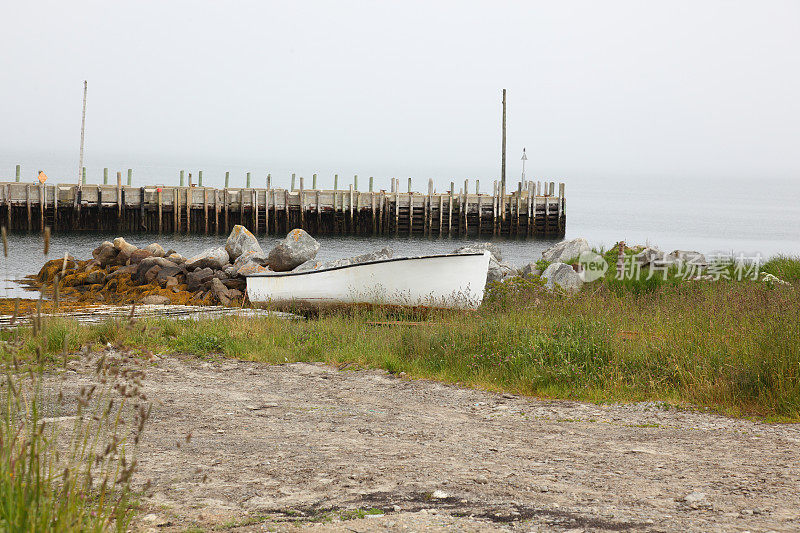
x=277 y=448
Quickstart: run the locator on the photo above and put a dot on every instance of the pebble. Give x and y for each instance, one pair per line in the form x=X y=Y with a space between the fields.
x=439 y=495
x=694 y=497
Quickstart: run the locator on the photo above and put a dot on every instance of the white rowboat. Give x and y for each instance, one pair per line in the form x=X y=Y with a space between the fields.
x=452 y=281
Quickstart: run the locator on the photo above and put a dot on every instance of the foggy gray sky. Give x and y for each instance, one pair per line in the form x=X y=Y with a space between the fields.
x=690 y=89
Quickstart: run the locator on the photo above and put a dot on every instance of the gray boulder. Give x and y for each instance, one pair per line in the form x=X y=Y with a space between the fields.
x=530 y=270
x=562 y=275
x=479 y=247
x=123 y=246
x=566 y=250
x=499 y=271
x=297 y=248
x=138 y=255
x=247 y=259
x=688 y=257
x=195 y=279
x=146 y=264
x=105 y=253
x=650 y=256
x=155 y=299
x=176 y=258
x=241 y=241
x=220 y=291
x=155 y=249
x=215 y=258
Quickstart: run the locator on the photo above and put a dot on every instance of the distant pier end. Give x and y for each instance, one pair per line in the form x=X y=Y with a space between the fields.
x=535 y=208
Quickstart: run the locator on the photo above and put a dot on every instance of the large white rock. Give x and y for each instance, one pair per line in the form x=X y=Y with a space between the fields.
x=499 y=271
x=563 y=276
x=297 y=248
x=689 y=257
x=566 y=250
x=240 y=241
x=214 y=258
x=123 y=246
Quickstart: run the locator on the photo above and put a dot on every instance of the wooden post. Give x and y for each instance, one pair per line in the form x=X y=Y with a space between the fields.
x=227 y=179
x=286 y=210
x=494 y=209
x=199 y=178
x=480 y=213
x=55 y=206
x=503 y=163
x=105 y=176
x=241 y=207
x=28 y=203
x=410 y=210
x=17 y=180
x=351 y=208
x=450 y=210
x=373 y=208
x=319 y=214
x=355 y=182
x=266 y=204
x=216 y=211
x=396 y=208
x=255 y=210
x=8 y=211
x=335 y=185
x=393 y=184
x=158 y=192
x=427 y=225
x=83 y=179
x=314 y=182
x=205 y=206
x=477 y=186
x=466 y=207
x=176 y=210
x=189 y=205
x=561 y=206
x=528 y=222
x=274 y=210
x=302 y=206
x=546 y=213
x=226 y=206
x=441 y=214
x=381 y=219
x=292 y=180
x=248 y=180
x=358 y=212
x=41 y=207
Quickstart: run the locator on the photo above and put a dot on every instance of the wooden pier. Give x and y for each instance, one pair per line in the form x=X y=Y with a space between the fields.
x=533 y=209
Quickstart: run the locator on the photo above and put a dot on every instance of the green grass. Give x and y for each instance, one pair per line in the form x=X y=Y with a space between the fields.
x=733 y=347
x=65 y=464
x=784 y=267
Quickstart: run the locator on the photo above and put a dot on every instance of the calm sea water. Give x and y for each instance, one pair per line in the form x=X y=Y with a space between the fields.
x=749 y=216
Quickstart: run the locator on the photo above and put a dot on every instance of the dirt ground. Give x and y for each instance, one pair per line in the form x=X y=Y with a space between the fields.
x=306 y=446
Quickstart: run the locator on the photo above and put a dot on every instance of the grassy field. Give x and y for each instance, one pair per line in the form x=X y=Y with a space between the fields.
x=729 y=346
x=733 y=347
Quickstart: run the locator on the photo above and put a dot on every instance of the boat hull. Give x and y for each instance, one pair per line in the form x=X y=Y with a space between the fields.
x=448 y=281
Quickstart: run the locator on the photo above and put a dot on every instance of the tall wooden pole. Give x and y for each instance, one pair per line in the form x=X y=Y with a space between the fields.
x=83 y=129
x=503 y=166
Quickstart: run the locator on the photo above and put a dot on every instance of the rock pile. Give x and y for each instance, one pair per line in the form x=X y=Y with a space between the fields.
x=120 y=272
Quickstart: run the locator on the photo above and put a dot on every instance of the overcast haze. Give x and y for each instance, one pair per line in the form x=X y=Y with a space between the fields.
x=686 y=89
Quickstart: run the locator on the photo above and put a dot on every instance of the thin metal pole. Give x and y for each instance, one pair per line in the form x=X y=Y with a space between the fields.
x=83 y=130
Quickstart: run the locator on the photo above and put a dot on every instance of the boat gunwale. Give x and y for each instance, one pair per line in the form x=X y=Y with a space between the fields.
x=377 y=261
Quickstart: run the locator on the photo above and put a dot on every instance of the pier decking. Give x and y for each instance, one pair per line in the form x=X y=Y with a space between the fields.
x=533 y=209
